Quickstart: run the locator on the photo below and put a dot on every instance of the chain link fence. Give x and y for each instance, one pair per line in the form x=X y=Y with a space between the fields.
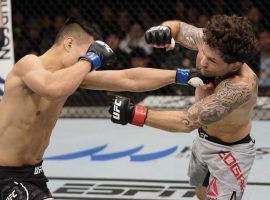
x=122 y=24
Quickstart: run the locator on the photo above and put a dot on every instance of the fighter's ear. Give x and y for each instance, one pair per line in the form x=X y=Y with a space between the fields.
x=68 y=43
x=236 y=66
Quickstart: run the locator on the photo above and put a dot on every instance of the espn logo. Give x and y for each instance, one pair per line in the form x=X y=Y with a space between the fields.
x=116 y=111
x=121 y=189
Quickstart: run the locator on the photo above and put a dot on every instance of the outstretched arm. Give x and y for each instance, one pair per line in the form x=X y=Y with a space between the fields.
x=188 y=35
x=134 y=80
x=227 y=97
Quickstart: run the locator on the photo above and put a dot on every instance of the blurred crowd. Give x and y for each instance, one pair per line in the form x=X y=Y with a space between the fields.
x=122 y=25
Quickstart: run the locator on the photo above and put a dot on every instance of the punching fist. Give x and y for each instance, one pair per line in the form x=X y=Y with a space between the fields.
x=99 y=54
x=159 y=36
x=192 y=77
x=124 y=111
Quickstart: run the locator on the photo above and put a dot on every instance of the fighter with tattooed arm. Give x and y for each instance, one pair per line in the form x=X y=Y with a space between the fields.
x=223 y=151
x=37 y=88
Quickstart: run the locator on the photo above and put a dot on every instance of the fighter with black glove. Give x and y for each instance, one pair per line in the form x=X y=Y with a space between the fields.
x=124 y=111
x=160 y=37
x=99 y=54
x=192 y=77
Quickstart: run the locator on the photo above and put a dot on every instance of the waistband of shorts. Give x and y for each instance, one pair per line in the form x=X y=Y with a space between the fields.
x=210 y=138
x=27 y=171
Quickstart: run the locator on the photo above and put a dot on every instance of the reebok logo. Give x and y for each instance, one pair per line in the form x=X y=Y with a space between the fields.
x=212 y=189
x=116 y=111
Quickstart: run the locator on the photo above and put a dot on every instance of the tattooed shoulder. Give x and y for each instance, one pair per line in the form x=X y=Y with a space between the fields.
x=190 y=36
x=236 y=93
x=227 y=97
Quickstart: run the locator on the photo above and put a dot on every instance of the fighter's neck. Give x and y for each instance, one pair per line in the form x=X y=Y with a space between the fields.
x=239 y=72
x=52 y=59
x=234 y=73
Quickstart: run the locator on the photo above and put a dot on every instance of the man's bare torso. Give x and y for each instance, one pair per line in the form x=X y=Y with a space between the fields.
x=237 y=124
x=26 y=122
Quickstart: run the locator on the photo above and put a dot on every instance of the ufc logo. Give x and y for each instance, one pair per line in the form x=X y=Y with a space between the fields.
x=11 y=196
x=116 y=111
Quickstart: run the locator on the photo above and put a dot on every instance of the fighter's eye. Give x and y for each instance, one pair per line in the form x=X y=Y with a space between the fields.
x=212 y=60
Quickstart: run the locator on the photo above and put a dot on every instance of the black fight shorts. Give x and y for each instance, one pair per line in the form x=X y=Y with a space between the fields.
x=24 y=183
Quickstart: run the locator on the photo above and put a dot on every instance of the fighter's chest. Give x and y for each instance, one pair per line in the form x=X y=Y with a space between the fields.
x=45 y=108
x=201 y=93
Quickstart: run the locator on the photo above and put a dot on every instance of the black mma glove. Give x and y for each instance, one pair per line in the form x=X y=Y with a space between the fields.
x=124 y=111
x=193 y=77
x=99 y=54
x=158 y=35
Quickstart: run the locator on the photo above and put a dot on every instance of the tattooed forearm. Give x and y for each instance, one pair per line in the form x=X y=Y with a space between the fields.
x=190 y=36
x=227 y=97
x=190 y=123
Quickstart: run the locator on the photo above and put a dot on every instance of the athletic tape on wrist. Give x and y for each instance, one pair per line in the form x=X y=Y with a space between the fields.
x=140 y=113
x=94 y=58
x=182 y=76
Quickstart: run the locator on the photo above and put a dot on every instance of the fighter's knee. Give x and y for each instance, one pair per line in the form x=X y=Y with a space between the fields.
x=201 y=192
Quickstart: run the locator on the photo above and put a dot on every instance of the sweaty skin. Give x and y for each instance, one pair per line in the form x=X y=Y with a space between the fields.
x=227 y=112
x=223 y=111
x=28 y=117
x=26 y=123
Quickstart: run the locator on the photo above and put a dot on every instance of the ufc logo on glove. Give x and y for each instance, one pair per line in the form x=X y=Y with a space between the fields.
x=116 y=111
x=123 y=111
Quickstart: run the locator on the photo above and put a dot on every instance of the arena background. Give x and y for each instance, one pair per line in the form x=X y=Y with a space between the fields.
x=92 y=158
x=122 y=24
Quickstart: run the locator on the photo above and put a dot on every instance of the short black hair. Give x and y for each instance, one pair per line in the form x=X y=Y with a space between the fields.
x=85 y=25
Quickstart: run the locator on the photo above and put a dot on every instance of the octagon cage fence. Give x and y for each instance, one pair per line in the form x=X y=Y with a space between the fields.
x=122 y=24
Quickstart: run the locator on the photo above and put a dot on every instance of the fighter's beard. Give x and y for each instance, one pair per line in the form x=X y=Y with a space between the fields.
x=218 y=79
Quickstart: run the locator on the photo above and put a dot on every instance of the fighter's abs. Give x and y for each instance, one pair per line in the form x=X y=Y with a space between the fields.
x=26 y=130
